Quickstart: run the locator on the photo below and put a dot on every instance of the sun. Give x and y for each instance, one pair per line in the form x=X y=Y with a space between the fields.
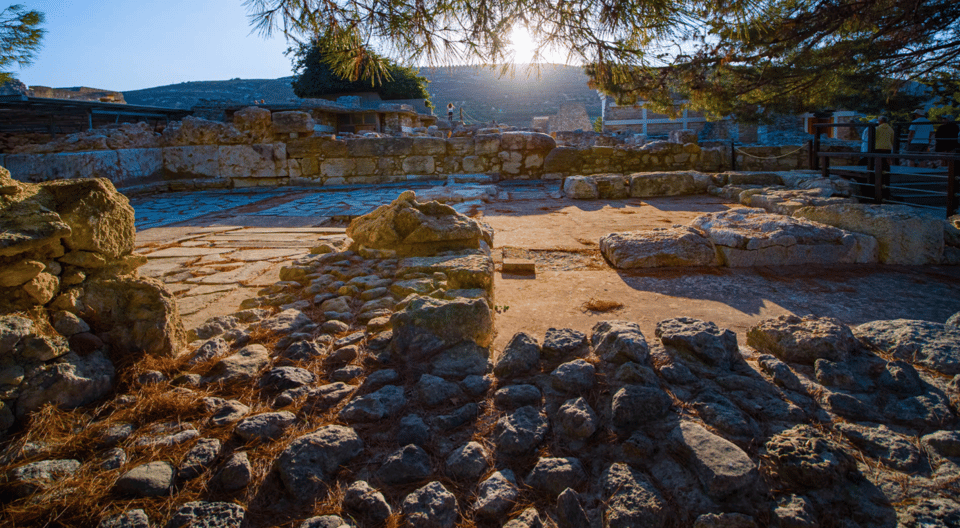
x=522 y=45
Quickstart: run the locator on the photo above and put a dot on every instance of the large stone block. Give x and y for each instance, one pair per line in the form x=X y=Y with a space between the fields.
x=198 y=161
x=419 y=165
x=139 y=164
x=65 y=165
x=563 y=160
x=292 y=122
x=487 y=145
x=580 y=188
x=460 y=146
x=265 y=160
x=100 y=219
x=659 y=247
x=647 y=184
x=905 y=235
x=429 y=146
x=753 y=237
x=338 y=167
x=612 y=186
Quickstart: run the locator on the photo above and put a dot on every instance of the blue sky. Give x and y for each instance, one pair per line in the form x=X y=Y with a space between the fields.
x=132 y=44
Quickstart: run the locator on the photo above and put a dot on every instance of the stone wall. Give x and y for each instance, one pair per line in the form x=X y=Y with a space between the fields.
x=264 y=149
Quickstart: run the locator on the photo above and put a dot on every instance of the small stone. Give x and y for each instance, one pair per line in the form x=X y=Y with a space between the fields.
x=433 y=391
x=577 y=419
x=114 y=458
x=385 y=402
x=521 y=431
x=304 y=350
x=228 y=412
x=476 y=385
x=634 y=406
x=242 y=366
x=496 y=495
x=575 y=376
x=312 y=459
x=620 y=341
x=208 y=515
x=235 y=473
x=347 y=373
x=68 y=324
x=431 y=506
x=334 y=327
x=201 y=456
x=283 y=378
x=146 y=480
x=553 y=475
x=409 y=464
x=37 y=476
x=413 y=430
x=128 y=519
x=367 y=502
x=210 y=349
x=565 y=344
x=343 y=356
x=266 y=426
x=570 y=512
x=467 y=462
x=515 y=396
x=521 y=356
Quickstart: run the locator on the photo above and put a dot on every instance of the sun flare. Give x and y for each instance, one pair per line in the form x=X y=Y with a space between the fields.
x=522 y=45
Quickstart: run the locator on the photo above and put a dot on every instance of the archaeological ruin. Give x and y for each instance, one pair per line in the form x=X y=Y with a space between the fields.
x=260 y=323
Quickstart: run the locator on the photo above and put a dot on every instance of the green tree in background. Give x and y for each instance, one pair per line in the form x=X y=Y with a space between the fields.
x=20 y=36
x=315 y=74
x=748 y=58
x=598 y=124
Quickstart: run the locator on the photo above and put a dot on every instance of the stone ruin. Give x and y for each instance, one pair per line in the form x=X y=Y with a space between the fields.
x=361 y=389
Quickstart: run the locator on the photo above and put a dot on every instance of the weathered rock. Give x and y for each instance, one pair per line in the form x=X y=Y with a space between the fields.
x=244 y=365
x=431 y=506
x=228 y=412
x=496 y=495
x=619 y=341
x=413 y=430
x=944 y=443
x=385 y=402
x=795 y=511
x=553 y=475
x=889 y=447
x=781 y=373
x=413 y=228
x=325 y=521
x=805 y=340
x=312 y=459
x=528 y=518
x=292 y=122
x=659 y=247
x=516 y=396
x=69 y=382
x=725 y=520
x=461 y=360
x=577 y=419
x=647 y=184
x=580 y=188
x=253 y=121
x=521 y=356
x=203 y=514
x=265 y=426
x=564 y=344
x=283 y=378
x=570 y=512
x=368 y=503
x=433 y=391
x=701 y=339
x=146 y=480
x=200 y=457
x=575 y=376
x=467 y=462
x=235 y=473
x=806 y=459
x=521 y=431
x=426 y=325
x=406 y=465
x=933 y=345
x=633 y=406
x=722 y=467
x=753 y=237
x=906 y=235
x=128 y=519
x=38 y=476
x=630 y=499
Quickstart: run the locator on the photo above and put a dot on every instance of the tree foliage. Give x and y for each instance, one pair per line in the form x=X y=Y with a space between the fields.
x=20 y=36
x=746 y=58
x=315 y=74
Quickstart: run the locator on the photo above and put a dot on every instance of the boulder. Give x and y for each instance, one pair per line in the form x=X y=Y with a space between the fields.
x=630 y=499
x=431 y=506
x=659 y=247
x=580 y=188
x=905 y=235
x=722 y=467
x=933 y=345
x=367 y=502
x=425 y=326
x=496 y=495
x=100 y=218
x=803 y=458
x=753 y=237
x=414 y=228
x=612 y=186
x=312 y=459
x=619 y=341
x=649 y=184
x=521 y=431
x=553 y=475
x=407 y=465
x=803 y=340
x=253 y=121
x=69 y=382
x=521 y=356
x=701 y=339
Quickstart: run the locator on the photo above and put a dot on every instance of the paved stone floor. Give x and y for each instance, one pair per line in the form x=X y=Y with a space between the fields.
x=213 y=249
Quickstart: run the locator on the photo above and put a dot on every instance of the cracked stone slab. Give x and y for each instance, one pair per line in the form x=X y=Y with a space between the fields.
x=243 y=274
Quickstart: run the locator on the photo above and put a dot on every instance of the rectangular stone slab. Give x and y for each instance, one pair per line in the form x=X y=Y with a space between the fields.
x=519 y=266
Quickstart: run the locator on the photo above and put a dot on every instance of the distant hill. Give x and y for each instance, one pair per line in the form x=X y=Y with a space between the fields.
x=483 y=94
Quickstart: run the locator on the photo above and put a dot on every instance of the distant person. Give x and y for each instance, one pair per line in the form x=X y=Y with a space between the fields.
x=883 y=139
x=864 y=137
x=450 y=108
x=918 y=140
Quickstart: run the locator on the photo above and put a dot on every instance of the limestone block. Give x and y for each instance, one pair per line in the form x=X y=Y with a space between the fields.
x=100 y=219
x=563 y=159
x=646 y=184
x=254 y=121
x=533 y=161
x=419 y=165
x=292 y=122
x=264 y=160
x=475 y=164
x=396 y=146
x=307 y=147
x=19 y=273
x=198 y=161
x=338 y=167
x=460 y=146
x=580 y=188
x=906 y=235
x=659 y=247
x=65 y=165
x=388 y=166
x=139 y=164
x=612 y=186
x=753 y=237
x=487 y=145
x=429 y=146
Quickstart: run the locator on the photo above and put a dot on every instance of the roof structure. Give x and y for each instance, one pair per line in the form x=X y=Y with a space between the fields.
x=21 y=113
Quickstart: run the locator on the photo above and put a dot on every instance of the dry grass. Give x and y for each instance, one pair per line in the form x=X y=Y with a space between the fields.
x=600 y=305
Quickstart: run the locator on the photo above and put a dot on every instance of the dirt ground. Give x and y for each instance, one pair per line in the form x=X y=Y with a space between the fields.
x=562 y=236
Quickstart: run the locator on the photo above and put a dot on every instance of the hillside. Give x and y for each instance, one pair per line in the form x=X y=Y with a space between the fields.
x=484 y=95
